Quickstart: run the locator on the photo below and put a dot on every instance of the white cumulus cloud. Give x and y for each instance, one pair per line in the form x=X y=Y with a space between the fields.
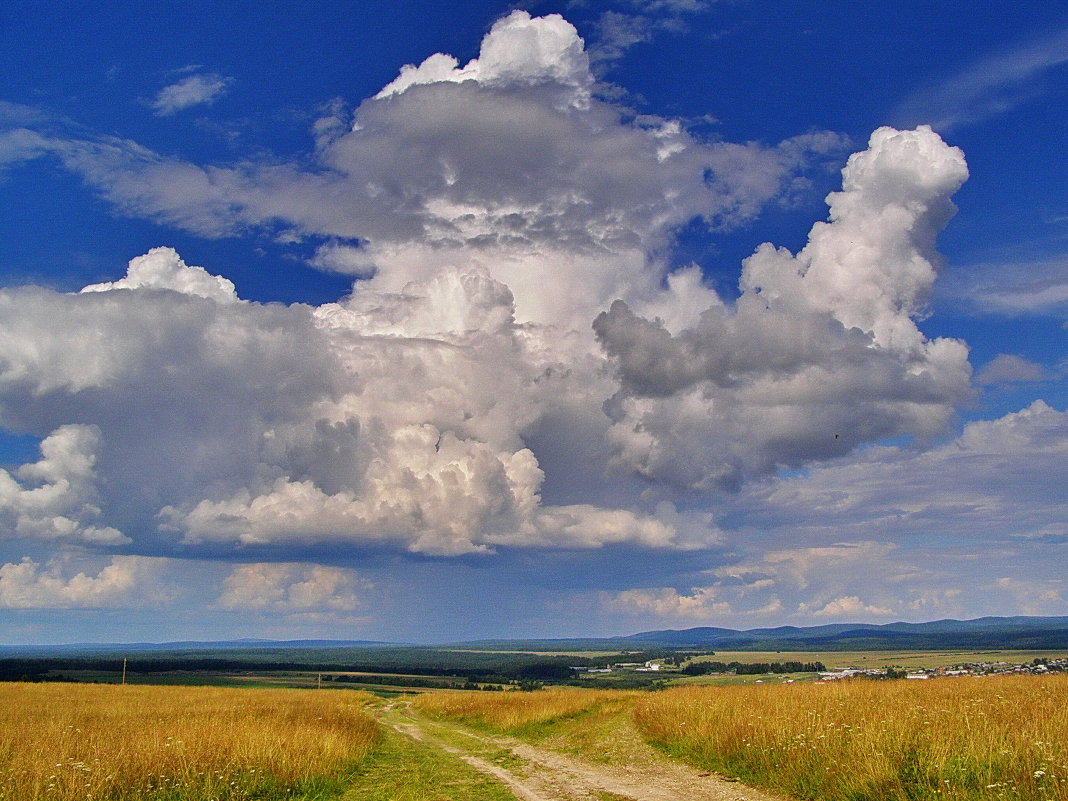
x=1008 y=368
x=518 y=50
x=848 y=607
x=492 y=212
x=126 y=582
x=510 y=163
x=55 y=497
x=292 y=588
x=163 y=268
x=701 y=603
x=388 y=418
x=402 y=416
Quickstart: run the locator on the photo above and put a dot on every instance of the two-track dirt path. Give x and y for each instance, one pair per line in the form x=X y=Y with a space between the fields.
x=538 y=773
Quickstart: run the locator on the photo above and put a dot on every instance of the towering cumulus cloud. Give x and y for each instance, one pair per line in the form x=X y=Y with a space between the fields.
x=511 y=164
x=821 y=351
x=490 y=212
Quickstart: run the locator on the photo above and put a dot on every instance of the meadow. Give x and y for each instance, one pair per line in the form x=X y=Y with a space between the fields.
x=968 y=738
x=109 y=742
x=958 y=739
x=523 y=713
x=965 y=739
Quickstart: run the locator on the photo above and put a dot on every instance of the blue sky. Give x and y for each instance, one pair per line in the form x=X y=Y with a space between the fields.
x=412 y=322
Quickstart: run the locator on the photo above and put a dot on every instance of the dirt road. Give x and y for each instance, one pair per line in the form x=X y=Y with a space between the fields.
x=538 y=773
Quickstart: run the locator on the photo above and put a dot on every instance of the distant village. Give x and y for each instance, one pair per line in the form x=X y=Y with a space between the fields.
x=652 y=666
x=1036 y=666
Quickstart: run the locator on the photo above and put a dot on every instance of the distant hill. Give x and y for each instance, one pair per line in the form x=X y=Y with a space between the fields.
x=1011 y=633
x=1016 y=633
x=182 y=646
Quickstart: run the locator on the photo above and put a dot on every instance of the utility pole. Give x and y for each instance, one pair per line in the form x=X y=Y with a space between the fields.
x=320 y=681
x=124 y=671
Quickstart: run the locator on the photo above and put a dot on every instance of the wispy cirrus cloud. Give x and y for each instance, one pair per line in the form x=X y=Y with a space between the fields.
x=986 y=88
x=998 y=477
x=618 y=29
x=192 y=90
x=1011 y=289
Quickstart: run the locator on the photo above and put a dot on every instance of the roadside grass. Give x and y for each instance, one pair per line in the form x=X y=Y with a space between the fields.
x=527 y=714
x=596 y=725
x=402 y=769
x=959 y=739
x=950 y=739
x=63 y=742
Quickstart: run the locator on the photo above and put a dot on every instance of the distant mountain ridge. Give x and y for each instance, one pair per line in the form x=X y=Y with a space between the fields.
x=1009 y=633
x=1012 y=633
x=247 y=644
x=1017 y=633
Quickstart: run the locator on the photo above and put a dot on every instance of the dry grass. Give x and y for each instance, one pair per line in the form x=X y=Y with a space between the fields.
x=516 y=711
x=69 y=741
x=1003 y=737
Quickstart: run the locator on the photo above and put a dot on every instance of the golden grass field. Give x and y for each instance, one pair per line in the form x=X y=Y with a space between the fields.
x=513 y=712
x=861 y=740
x=109 y=742
x=961 y=738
